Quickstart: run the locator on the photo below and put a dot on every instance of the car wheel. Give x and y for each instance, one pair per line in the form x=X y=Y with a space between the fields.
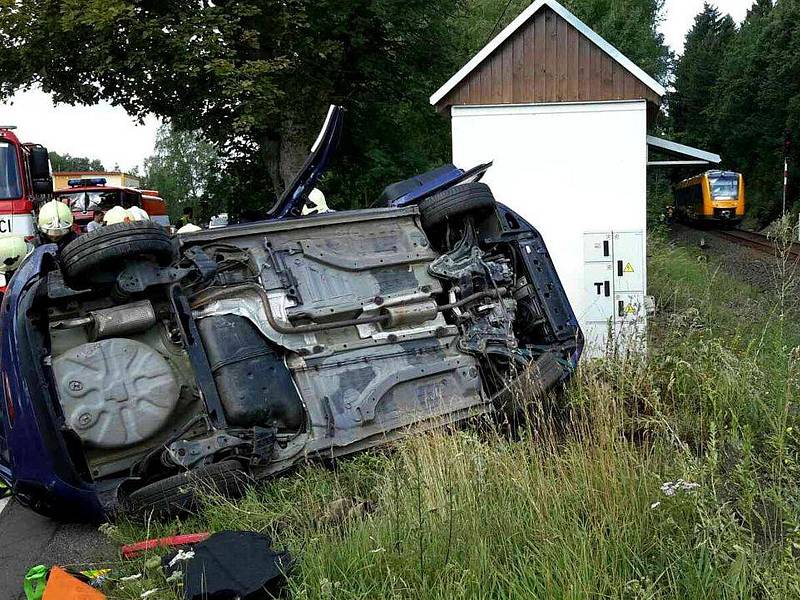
x=179 y=493
x=89 y=258
x=456 y=202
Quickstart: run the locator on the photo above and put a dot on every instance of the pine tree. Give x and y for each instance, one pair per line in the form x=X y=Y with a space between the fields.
x=740 y=125
x=692 y=104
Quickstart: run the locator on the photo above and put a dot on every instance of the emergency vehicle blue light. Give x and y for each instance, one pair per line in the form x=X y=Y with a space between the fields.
x=86 y=182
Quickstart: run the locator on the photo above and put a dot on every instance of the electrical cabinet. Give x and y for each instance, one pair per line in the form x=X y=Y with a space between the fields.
x=597 y=247
x=628 y=254
x=614 y=290
x=599 y=291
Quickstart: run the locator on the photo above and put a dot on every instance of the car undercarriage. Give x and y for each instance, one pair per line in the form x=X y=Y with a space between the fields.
x=150 y=361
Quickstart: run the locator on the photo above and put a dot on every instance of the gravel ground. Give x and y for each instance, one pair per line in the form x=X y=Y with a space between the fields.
x=28 y=539
x=744 y=263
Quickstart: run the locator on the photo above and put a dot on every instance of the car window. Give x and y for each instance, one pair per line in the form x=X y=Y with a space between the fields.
x=10 y=183
x=86 y=201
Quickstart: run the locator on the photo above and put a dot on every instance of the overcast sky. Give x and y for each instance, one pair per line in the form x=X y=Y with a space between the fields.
x=107 y=133
x=679 y=17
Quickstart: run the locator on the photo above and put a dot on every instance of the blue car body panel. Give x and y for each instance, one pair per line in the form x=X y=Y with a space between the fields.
x=552 y=297
x=291 y=202
x=34 y=457
x=435 y=181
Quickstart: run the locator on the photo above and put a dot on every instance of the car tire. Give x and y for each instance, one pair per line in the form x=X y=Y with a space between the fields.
x=89 y=258
x=179 y=493
x=456 y=202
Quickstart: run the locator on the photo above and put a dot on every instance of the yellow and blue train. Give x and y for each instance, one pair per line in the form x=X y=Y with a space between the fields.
x=714 y=197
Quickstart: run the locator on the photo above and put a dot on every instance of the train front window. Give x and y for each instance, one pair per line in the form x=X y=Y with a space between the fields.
x=10 y=183
x=724 y=186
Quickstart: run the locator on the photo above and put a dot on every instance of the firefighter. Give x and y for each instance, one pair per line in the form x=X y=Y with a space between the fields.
x=189 y=228
x=13 y=249
x=315 y=204
x=138 y=213
x=55 y=224
x=187 y=216
x=96 y=222
x=117 y=214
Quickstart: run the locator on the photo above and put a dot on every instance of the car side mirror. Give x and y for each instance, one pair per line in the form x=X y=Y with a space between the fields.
x=40 y=163
x=43 y=186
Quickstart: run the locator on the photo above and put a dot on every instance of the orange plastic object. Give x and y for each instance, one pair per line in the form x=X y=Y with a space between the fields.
x=63 y=586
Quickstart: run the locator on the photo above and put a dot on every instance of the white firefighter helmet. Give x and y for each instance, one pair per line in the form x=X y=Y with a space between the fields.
x=189 y=228
x=55 y=219
x=117 y=214
x=13 y=249
x=138 y=214
x=316 y=203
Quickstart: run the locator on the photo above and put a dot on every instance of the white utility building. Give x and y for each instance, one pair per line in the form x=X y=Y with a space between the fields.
x=564 y=117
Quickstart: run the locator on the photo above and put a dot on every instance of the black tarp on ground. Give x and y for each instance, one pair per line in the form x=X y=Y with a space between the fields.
x=232 y=564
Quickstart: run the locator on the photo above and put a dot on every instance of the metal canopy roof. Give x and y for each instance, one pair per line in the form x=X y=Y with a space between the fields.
x=685 y=155
x=519 y=22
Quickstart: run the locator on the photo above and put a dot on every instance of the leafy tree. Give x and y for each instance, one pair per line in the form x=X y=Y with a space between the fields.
x=696 y=75
x=184 y=168
x=253 y=76
x=740 y=127
x=66 y=162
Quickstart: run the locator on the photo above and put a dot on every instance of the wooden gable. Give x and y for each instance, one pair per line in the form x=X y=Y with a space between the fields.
x=544 y=60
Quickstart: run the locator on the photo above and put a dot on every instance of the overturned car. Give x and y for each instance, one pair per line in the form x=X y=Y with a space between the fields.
x=134 y=362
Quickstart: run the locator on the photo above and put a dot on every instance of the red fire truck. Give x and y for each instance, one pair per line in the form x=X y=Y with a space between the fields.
x=91 y=194
x=24 y=178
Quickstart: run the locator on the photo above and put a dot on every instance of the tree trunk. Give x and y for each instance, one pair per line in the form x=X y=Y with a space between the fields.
x=285 y=152
x=272 y=158
x=294 y=148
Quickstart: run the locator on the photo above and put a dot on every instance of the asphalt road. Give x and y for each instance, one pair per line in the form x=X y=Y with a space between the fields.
x=28 y=539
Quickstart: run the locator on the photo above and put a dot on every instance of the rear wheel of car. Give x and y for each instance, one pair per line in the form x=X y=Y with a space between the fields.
x=179 y=493
x=95 y=257
x=455 y=203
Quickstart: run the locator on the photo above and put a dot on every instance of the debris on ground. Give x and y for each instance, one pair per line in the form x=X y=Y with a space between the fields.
x=35 y=582
x=62 y=585
x=138 y=548
x=56 y=583
x=230 y=564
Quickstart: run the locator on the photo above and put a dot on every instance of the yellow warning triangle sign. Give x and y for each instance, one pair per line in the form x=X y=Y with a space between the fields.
x=629 y=268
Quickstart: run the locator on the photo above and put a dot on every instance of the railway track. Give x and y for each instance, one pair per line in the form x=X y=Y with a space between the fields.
x=757 y=241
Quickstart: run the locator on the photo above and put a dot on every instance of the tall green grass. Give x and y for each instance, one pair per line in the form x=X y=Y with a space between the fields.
x=572 y=504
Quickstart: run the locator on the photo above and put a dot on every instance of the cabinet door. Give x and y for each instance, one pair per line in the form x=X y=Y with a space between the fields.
x=598 y=291
x=597 y=247
x=629 y=307
x=628 y=255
